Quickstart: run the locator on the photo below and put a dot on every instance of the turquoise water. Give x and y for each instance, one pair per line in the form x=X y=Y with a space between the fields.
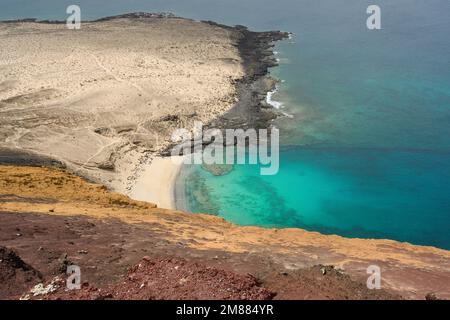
x=367 y=153
x=367 y=193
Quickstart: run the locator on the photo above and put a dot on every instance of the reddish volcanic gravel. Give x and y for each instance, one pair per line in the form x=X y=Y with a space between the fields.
x=110 y=269
x=178 y=279
x=173 y=279
x=321 y=283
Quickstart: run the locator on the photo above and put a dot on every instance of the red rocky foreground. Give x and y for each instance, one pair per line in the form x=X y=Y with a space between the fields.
x=168 y=279
x=50 y=219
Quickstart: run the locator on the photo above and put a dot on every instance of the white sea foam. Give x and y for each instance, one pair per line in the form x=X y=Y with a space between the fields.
x=273 y=103
x=291 y=38
x=276 y=104
x=287 y=114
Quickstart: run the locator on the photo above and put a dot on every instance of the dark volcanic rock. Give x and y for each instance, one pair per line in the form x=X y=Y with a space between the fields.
x=251 y=110
x=16 y=276
x=28 y=158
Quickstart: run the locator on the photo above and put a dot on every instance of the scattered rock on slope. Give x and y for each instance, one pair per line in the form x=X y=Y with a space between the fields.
x=174 y=279
x=16 y=276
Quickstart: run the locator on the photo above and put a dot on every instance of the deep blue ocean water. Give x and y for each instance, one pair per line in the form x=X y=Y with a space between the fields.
x=367 y=152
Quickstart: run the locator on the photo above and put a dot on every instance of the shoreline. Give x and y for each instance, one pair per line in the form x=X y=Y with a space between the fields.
x=157 y=181
x=186 y=74
x=124 y=146
x=251 y=110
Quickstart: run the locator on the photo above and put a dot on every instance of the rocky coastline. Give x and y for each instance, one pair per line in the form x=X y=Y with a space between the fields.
x=249 y=111
x=256 y=50
x=252 y=110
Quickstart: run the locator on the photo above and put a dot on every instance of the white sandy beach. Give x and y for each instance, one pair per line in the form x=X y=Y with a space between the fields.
x=156 y=183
